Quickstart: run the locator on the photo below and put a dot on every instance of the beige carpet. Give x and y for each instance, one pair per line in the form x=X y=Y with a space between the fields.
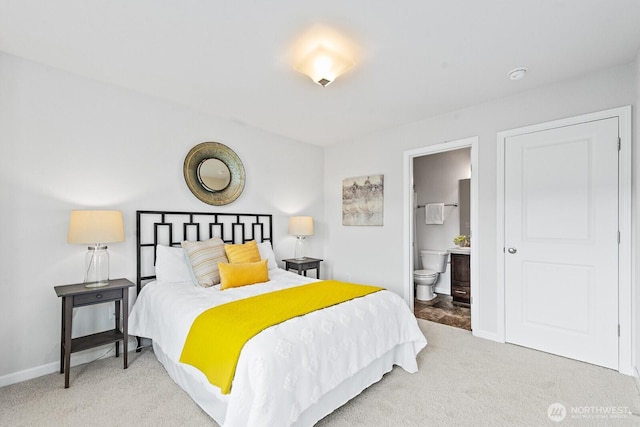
x=463 y=381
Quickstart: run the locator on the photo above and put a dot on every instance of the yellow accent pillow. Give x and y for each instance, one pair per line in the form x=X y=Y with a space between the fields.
x=203 y=260
x=247 y=252
x=243 y=273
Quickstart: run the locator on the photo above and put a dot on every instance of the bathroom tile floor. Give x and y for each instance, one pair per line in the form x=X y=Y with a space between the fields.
x=442 y=310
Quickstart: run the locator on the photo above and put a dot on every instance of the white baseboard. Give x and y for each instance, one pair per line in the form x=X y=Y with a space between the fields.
x=486 y=335
x=31 y=373
x=443 y=291
x=79 y=358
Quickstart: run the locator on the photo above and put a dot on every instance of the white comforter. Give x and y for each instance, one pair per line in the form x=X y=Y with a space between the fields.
x=285 y=369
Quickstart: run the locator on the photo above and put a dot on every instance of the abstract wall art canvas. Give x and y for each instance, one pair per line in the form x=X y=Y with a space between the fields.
x=363 y=200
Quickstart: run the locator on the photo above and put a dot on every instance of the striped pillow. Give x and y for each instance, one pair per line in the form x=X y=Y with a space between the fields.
x=247 y=252
x=203 y=259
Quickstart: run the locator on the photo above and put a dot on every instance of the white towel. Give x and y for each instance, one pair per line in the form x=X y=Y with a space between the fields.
x=434 y=213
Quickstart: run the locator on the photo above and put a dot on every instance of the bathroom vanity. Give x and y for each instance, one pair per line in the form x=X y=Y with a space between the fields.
x=461 y=275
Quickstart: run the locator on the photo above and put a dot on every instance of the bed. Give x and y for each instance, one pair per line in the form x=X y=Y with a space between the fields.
x=292 y=373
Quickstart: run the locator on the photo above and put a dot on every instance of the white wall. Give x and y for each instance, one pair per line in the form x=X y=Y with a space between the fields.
x=359 y=252
x=71 y=143
x=67 y=143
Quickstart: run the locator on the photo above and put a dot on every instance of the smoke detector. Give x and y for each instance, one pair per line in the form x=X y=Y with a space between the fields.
x=517 y=74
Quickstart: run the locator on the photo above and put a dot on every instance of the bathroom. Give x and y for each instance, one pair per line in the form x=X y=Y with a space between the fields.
x=442 y=177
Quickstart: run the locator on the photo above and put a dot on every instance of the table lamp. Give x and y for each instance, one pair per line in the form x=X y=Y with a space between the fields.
x=300 y=226
x=96 y=228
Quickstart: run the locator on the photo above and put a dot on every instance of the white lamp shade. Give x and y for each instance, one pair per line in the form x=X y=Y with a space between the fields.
x=93 y=227
x=301 y=226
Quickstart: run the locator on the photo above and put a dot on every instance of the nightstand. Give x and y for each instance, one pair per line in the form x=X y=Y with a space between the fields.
x=302 y=265
x=77 y=295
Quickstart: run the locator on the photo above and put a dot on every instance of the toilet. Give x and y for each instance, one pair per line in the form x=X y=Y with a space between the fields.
x=433 y=263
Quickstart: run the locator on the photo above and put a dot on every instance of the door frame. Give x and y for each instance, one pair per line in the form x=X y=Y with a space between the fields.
x=409 y=213
x=626 y=293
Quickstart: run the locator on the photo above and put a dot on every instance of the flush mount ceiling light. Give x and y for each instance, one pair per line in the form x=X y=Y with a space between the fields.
x=323 y=54
x=518 y=73
x=323 y=65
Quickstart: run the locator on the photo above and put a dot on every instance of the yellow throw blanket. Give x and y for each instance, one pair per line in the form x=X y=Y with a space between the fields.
x=217 y=335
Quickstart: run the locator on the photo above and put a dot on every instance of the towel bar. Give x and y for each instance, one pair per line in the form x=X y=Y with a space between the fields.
x=446 y=204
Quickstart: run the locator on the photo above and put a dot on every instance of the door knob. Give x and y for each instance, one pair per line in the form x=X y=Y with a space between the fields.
x=512 y=250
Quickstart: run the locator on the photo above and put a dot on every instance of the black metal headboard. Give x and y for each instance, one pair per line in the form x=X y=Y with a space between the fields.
x=171 y=228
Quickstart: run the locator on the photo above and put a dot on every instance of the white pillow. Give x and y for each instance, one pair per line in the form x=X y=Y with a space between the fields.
x=171 y=265
x=266 y=252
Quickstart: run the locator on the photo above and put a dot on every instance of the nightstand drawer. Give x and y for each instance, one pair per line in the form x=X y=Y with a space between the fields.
x=97 y=297
x=309 y=265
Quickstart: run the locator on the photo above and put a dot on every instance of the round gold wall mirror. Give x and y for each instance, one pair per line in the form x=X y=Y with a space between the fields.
x=214 y=173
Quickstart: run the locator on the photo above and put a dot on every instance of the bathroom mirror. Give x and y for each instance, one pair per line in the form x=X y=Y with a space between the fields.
x=464 y=204
x=214 y=173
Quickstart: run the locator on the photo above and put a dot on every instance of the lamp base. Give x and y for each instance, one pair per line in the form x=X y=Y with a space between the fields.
x=96 y=270
x=299 y=253
x=96 y=284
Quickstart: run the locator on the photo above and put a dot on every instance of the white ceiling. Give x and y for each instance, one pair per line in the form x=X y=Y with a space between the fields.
x=229 y=58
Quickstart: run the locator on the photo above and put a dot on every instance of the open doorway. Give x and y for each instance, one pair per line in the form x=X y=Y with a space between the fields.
x=441 y=178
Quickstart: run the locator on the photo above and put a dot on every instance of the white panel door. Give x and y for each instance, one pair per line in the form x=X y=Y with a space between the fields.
x=561 y=241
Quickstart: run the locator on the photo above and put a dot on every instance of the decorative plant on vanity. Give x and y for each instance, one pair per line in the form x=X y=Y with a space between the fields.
x=462 y=241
